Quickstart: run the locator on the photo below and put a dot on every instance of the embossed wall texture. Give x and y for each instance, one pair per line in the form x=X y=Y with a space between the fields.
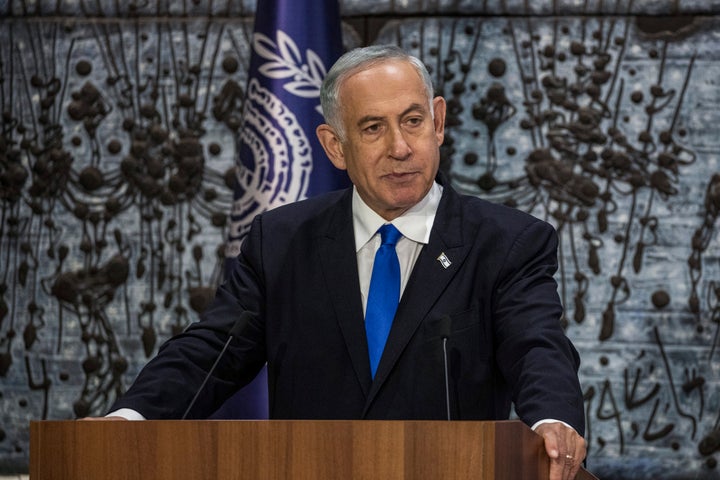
x=119 y=130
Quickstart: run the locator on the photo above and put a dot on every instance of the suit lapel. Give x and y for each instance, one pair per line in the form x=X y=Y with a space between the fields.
x=339 y=263
x=429 y=279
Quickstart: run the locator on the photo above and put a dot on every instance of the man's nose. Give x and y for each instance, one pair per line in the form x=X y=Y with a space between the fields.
x=399 y=146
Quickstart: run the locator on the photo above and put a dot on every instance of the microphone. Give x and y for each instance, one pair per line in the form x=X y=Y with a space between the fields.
x=236 y=330
x=444 y=328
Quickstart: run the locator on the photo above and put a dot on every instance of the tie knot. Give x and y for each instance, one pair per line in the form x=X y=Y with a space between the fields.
x=390 y=235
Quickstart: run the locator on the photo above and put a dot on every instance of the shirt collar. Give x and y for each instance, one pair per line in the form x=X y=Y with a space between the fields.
x=414 y=224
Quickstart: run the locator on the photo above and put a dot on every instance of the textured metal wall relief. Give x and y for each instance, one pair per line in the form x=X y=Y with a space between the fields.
x=231 y=8
x=116 y=178
x=157 y=9
x=604 y=126
x=118 y=137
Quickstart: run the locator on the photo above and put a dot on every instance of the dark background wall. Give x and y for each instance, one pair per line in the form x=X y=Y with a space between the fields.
x=118 y=138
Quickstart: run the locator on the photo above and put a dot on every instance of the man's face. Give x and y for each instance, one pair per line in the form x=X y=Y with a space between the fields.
x=391 y=151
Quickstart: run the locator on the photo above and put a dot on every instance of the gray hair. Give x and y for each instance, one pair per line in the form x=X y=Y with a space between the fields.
x=358 y=59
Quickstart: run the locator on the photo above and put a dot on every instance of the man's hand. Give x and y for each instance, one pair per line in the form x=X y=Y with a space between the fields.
x=565 y=448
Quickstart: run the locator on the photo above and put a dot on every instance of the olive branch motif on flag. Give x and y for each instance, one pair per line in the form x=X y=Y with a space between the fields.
x=285 y=61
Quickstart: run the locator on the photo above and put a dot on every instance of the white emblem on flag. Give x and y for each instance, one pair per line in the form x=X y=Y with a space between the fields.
x=285 y=61
x=281 y=153
x=282 y=160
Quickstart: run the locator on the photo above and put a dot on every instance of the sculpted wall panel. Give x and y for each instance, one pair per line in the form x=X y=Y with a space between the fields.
x=605 y=128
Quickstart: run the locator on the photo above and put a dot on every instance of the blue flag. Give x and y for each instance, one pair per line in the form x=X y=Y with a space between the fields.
x=280 y=161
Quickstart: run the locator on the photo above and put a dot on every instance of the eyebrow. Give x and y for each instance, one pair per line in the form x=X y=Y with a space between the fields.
x=374 y=118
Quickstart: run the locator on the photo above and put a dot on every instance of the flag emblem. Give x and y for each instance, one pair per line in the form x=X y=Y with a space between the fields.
x=279 y=157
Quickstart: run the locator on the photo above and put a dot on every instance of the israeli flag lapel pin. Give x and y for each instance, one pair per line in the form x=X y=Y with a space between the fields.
x=444 y=260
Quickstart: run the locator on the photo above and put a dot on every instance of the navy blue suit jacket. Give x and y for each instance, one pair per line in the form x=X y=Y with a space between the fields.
x=298 y=272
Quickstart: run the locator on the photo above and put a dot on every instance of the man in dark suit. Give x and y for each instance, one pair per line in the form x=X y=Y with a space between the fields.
x=480 y=272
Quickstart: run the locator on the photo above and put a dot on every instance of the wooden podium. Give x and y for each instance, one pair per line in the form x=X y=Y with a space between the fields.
x=285 y=449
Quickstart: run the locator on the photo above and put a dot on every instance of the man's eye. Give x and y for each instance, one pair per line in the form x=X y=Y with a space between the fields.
x=414 y=121
x=374 y=128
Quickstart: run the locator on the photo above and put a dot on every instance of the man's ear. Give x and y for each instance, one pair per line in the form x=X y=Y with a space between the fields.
x=439 y=108
x=332 y=145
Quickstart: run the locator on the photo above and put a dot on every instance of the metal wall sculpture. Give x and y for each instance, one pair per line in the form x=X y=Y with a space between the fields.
x=119 y=128
x=600 y=126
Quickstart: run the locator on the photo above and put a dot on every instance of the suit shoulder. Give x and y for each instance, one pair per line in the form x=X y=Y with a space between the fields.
x=504 y=217
x=304 y=210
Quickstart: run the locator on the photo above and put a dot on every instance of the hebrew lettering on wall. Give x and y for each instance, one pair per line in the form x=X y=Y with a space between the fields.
x=117 y=147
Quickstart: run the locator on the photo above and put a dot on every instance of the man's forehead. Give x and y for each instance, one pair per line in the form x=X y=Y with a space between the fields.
x=383 y=83
x=391 y=66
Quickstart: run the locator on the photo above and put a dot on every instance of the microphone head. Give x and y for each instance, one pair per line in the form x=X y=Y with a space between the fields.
x=240 y=323
x=444 y=326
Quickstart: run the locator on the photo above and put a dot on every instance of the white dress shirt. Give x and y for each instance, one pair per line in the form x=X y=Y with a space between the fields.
x=415 y=226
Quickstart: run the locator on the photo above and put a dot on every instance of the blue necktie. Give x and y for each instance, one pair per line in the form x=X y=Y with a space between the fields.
x=384 y=294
